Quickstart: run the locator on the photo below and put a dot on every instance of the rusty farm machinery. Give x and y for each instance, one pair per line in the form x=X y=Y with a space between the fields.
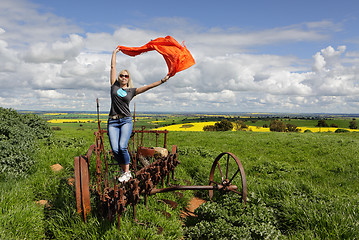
x=151 y=165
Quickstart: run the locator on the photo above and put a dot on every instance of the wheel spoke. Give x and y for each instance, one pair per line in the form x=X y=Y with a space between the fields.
x=220 y=171
x=227 y=166
x=234 y=176
x=215 y=182
x=235 y=191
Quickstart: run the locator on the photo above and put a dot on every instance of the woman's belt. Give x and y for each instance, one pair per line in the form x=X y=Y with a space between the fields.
x=117 y=116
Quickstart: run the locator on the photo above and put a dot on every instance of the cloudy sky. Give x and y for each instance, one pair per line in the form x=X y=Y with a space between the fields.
x=251 y=56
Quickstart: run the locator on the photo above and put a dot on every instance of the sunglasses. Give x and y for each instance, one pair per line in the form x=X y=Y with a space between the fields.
x=125 y=76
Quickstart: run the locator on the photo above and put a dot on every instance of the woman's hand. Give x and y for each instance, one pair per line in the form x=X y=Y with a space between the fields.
x=165 y=79
x=116 y=50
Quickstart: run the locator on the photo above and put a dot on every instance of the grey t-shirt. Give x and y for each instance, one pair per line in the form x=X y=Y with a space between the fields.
x=120 y=100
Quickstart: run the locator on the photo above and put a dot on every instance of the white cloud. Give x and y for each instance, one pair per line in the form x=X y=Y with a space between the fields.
x=56 y=52
x=52 y=64
x=50 y=94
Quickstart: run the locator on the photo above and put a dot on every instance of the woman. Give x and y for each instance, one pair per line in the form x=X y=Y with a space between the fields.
x=120 y=123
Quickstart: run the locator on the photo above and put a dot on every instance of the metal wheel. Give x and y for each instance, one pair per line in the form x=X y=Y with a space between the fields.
x=82 y=185
x=227 y=174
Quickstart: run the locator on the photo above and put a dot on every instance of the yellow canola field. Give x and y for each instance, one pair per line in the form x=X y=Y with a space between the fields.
x=55 y=114
x=324 y=129
x=72 y=120
x=198 y=127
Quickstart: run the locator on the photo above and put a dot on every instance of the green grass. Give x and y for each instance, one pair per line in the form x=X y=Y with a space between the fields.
x=308 y=182
x=300 y=186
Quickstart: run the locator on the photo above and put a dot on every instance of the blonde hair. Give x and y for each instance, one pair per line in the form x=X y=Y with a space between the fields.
x=130 y=83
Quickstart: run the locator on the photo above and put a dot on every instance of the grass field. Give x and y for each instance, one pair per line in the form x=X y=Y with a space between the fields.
x=300 y=186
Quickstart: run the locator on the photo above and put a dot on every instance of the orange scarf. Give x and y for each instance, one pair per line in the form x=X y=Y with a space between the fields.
x=177 y=57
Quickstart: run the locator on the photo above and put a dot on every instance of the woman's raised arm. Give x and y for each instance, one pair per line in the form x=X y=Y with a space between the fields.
x=113 y=74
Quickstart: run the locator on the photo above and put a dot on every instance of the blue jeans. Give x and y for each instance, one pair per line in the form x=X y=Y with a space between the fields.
x=119 y=132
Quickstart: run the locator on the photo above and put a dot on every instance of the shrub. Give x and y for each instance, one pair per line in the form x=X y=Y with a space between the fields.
x=277 y=126
x=353 y=124
x=339 y=130
x=18 y=135
x=223 y=125
x=240 y=125
x=334 y=125
x=322 y=123
x=209 y=128
x=292 y=128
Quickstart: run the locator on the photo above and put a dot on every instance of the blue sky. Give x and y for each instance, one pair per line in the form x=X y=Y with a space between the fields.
x=251 y=56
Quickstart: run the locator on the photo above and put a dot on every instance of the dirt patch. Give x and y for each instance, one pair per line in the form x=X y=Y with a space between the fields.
x=44 y=203
x=194 y=203
x=56 y=167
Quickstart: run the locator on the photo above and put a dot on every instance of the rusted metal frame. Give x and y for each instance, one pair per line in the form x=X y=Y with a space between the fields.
x=176 y=188
x=142 y=132
x=157 y=134
x=150 y=131
x=78 y=184
x=102 y=149
x=165 y=140
x=174 y=152
x=98 y=165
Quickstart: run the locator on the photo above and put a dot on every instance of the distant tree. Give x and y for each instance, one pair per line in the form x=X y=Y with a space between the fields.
x=209 y=128
x=334 y=125
x=223 y=125
x=277 y=126
x=240 y=125
x=292 y=128
x=322 y=123
x=353 y=124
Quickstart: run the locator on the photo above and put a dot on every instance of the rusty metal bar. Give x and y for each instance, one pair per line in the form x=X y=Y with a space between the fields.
x=175 y=188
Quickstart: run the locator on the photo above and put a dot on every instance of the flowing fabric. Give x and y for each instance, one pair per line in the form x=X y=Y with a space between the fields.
x=177 y=57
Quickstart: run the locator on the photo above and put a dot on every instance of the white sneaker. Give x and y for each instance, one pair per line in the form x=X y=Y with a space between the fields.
x=125 y=177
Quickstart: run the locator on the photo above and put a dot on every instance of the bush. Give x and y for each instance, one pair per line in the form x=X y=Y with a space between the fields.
x=223 y=125
x=18 y=135
x=227 y=219
x=277 y=126
x=353 y=124
x=339 y=130
x=292 y=128
x=209 y=128
x=322 y=123
x=240 y=125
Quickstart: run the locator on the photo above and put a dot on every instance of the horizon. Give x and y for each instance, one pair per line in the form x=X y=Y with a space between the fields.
x=202 y=113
